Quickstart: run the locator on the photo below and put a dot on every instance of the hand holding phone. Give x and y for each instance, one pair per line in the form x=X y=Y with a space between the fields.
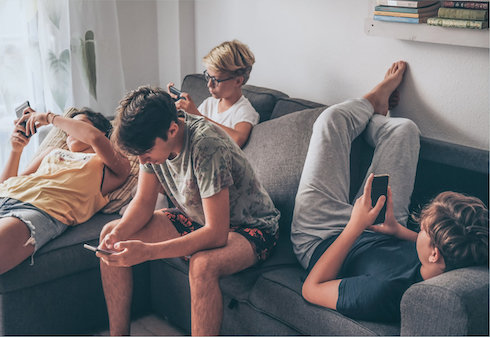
x=19 y=111
x=176 y=92
x=379 y=188
x=96 y=249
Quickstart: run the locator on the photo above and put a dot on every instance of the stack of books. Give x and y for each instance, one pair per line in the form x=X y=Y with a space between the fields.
x=408 y=11
x=462 y=14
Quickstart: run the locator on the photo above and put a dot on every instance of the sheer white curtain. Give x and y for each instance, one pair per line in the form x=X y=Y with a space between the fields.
x=57 y=54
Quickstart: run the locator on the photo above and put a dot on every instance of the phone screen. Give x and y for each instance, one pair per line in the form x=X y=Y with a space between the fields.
x=95 y=249
x=379 y=188
x=19 y=111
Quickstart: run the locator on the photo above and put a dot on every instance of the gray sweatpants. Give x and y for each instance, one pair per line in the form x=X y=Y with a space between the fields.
x=322 y=207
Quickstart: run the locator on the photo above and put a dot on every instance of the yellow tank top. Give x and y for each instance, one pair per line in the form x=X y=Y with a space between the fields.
x=66 y=186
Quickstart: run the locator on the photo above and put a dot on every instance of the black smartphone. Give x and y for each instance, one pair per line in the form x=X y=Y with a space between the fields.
x=176 y=92
x=19 y=111
x=96 y=249
x=379 y=188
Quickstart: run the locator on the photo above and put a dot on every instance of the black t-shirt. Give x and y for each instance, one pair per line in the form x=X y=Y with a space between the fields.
x=375 y=274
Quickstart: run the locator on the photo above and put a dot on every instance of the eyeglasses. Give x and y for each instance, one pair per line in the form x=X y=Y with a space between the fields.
x=214 y=80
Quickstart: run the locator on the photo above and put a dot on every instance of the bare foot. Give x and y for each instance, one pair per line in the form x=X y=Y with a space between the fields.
x=380 y=96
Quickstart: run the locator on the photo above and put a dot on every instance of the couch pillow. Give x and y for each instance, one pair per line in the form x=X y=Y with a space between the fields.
x=277 y=151
x=262 y=99
x=117 y=198
x=285 y=106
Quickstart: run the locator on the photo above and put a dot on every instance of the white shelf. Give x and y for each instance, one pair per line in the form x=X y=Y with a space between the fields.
x=425 y=33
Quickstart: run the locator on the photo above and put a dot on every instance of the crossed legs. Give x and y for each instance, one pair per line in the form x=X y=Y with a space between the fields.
x=322 y=206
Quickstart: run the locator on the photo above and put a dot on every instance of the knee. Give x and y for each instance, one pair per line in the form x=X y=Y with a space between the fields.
x=202 y=268
x=409 y=131
x=332 y=118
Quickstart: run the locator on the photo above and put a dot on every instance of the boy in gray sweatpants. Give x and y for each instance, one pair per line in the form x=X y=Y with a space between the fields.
x=359 y=268
x=322 y=207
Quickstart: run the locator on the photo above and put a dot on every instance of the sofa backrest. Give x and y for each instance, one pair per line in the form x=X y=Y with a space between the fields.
x=277 y=150
x=262 y=99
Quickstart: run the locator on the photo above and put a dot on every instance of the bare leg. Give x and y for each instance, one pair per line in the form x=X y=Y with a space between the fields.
x=14 y=246
x=118 y=281
x=205 y=270
x=379 y=97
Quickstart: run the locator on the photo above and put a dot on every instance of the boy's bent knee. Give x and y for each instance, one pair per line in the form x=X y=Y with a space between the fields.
x=201 y=265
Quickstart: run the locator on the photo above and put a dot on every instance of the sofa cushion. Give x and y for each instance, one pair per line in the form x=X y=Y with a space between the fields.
x=278 y=293
x=283 y=141
x=262 y=99
x=62 y=256
x=285 y=106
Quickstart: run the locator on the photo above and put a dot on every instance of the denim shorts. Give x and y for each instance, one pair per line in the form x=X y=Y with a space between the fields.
x=43 y=227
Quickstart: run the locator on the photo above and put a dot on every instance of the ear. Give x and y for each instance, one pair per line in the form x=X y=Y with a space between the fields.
x=239 y=80
x=436 y=257
x=172 y=129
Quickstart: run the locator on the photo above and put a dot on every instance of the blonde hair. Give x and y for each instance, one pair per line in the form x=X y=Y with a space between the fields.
x=231 y=56
x=457 y=225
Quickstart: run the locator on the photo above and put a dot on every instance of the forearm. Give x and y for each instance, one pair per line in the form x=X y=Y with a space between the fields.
x=406 y=234
x=201 y=239
x=136 y=216
x=12 y=167
x=238 y=137
x=80 y=130
x=329 y=264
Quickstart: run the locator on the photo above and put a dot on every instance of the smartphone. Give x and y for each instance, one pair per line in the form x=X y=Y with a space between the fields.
x=176 y=92
x=379 y=188
x=96 y=249
x=19 y=111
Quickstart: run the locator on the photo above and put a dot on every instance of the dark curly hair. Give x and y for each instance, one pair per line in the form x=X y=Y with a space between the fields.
x=143 y=115
x=457 y=225
x=96 y=118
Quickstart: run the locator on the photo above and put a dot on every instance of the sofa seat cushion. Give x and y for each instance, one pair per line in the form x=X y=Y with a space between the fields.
x=262 y=99
x=62 y=256
x=278 y=293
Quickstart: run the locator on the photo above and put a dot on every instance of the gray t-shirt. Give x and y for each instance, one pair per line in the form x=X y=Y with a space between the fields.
x=209 y=162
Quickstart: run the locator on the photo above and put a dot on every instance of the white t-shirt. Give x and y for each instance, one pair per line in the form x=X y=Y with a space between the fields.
x=241 y=111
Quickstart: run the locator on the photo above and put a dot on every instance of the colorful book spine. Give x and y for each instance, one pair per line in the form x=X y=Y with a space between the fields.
x=399 y=19
x=405 y=3
x=465 y=4
x=444 y=22
x=465 y=14
x=432 y=8
x=405 y=15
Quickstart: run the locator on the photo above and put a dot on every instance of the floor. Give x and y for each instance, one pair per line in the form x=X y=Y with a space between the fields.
x=151 y=325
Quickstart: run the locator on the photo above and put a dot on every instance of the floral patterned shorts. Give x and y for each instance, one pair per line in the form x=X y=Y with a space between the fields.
x=262 y=241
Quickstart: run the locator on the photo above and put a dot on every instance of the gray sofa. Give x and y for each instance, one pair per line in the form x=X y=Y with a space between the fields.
x=62 y=294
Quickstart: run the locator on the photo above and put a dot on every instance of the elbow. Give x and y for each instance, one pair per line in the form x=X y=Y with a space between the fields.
x=306 y=291
x=218 y=240
x=95 y=137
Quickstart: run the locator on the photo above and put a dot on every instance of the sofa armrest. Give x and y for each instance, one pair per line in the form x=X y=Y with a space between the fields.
x=454 y=303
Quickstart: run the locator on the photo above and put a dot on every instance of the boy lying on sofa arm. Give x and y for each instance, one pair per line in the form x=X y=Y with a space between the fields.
x=364 y=274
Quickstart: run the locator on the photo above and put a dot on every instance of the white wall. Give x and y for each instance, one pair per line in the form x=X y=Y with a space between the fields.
x=317 y=49
x=312 y=49
x=139 y=42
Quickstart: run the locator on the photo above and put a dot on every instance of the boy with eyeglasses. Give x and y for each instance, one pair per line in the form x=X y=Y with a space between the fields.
x=228 y=68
